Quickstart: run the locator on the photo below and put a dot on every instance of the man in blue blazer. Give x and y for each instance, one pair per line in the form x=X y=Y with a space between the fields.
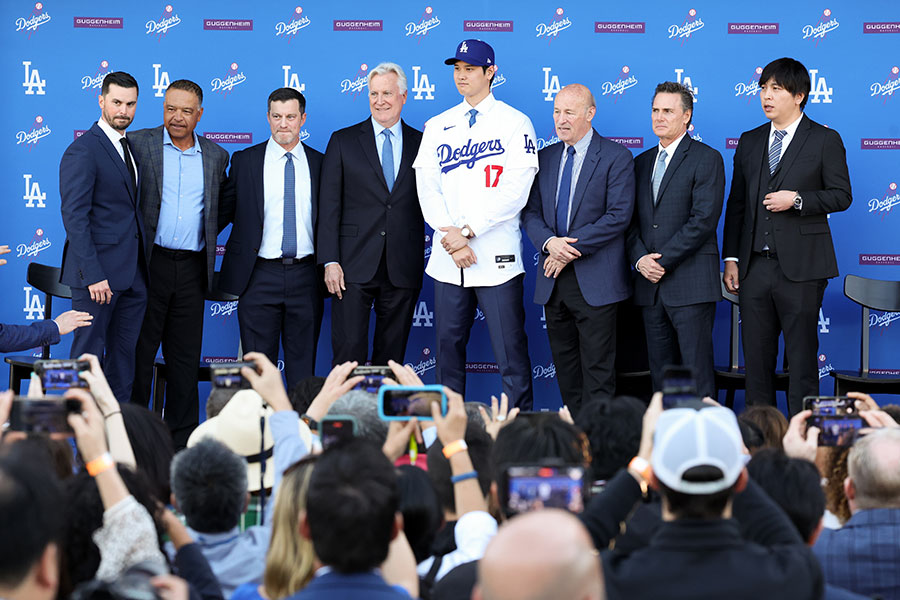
x=271 y=197
x=580 y=206
x=103 y=258
x=672 y=240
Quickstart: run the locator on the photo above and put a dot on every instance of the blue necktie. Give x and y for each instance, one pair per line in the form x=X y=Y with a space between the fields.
x=289 y=239
x=658 y=175
x=562 y=198
x=387 y=159
x=775 y=151
x=472 y=114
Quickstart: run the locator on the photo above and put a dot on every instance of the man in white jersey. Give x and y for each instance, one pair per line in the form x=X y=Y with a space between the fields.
x=474 y=172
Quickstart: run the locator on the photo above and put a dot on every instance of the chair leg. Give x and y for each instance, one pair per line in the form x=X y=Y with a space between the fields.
x=729 y=398
x=157 y=399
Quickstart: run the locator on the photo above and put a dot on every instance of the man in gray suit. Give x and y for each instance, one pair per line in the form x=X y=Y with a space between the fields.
x=672 y=243
x=181 y=175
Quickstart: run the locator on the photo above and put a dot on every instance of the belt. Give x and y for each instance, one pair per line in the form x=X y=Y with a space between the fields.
x=287 y=261
x=766 y=254
x=176 y=254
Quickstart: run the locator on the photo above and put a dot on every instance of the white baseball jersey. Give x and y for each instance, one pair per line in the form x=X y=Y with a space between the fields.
x=478 y=176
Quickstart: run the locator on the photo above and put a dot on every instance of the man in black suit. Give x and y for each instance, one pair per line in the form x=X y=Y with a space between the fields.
x=672 y=240
x=788 y=176
x=271 y=197
x=181 y=177
x=577 y=214
x=370 y=232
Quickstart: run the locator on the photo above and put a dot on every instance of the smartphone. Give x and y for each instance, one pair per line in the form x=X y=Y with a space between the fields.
x=679 y=386
x=402 y=402
x=373 y=377
x=537 y=415
x=334 y=429
x=228 y=375
x=829 y=406
x=836 y=417
x=533 y=487
x=42 y=415
x=58 y=375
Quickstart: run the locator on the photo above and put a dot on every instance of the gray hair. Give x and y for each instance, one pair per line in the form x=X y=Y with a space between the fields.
x=209 y=482
x=364 y=406
x=389 y=67
x=873 y=466
x=673 y=87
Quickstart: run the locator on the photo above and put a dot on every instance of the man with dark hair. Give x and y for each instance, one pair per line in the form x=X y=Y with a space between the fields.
x=181 y=176
x=31 y=524
x=613 y=428
x=351 y=517
x=103 y=259
x=530 y=440
x=578 y=210
x=672 y=240
x=788 y=176
x=371 y=229
x=271 y=196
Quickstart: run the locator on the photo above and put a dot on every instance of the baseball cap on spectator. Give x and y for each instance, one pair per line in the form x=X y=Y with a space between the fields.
x=474 y=52
x=238 y=426
x=686 y=438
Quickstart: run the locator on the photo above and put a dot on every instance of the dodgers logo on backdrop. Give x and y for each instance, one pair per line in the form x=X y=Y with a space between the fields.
x=33 y=193
x=222 y=310
x=160 y=80
x=684 y=31
x=292 y=80
x=819 y=30
x=39 y=243
x=557 y=23
x=422 y=85
x=824 y=367
x=543 y=372
x=468 y=154
x=551 y=85
x=423 y=317
x=167 y=21
x=426 y=23
x=749 y=88
x=33 y=83
x=889 y=200
x=288 y=29
x=695 y=135
x=617 y=88
x=541 y=144
x=819 y=92
x=426 y=362
x=30 y=138
x=31 y=23
x=33 y=307
x=357 y=85
x=427 y=246
x=824 y=322
x=888 y=86
x=685 y=80
x=499 y=80
x=232 y=78
x=883 y=320
x=95 y=82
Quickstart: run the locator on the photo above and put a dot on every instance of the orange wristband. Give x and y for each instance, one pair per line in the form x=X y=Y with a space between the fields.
x=455 y=447
x=102 y=463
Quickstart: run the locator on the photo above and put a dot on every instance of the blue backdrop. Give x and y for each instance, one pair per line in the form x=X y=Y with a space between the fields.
x=56 y=54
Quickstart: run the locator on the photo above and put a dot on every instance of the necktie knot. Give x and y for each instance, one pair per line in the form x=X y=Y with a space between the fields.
x=288 y=157
x=472 y=114
x=780 y=133
x=570 y=150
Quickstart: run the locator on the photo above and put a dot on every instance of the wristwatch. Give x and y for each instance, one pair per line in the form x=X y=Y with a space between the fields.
x=466 y=232
x=798 y=202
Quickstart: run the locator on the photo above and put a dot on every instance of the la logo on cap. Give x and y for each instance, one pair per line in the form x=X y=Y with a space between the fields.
x=463 y=47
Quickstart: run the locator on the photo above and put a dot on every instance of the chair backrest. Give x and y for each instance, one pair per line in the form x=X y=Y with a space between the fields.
x=733 y=352
x=874 y=294
x=215 y=294
x=46 y=279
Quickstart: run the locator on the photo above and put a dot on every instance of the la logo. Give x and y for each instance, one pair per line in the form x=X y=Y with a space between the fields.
x=422 y=85
x=33 y=81
x=33 y=193
x=160 y=81
x=292 y=80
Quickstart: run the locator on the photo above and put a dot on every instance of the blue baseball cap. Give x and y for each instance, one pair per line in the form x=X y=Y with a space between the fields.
x=474 y=52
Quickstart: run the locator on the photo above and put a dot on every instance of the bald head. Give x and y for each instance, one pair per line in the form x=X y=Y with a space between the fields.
x=573 y=110
x=543 y=555
x=873 y=470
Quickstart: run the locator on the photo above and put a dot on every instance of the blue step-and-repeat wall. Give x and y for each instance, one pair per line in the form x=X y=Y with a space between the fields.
x=55 y=54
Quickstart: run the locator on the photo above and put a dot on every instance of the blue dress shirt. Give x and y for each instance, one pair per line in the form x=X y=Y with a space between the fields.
x=180 y=225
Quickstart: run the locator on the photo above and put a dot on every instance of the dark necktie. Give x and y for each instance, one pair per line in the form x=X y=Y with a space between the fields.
x=387 y=160
x=128 y=164
x=289 y=238
x=562 y=198
x=775 y=150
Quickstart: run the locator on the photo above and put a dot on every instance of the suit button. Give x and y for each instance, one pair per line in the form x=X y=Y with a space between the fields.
x=655 y=226
x=135 y=236
x=389 y=206
x=768 y=218
x=382 y=234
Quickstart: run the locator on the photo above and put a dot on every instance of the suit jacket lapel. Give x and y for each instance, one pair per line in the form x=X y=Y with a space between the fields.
x=314 y=185
x=113 y=153
x=367 y=141
x=592 y=156
x=673 y=166
x=407 y=158
x=550 y=183
x=256 y=176
x=156 y=160
x=209 y=170
x=792 y=151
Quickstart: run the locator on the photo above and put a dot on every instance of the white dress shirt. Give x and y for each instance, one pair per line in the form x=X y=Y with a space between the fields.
x=273 y=195
x=114 y=136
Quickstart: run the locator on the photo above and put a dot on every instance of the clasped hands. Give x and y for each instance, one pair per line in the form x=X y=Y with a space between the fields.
x=457 y=246
x=561 y=253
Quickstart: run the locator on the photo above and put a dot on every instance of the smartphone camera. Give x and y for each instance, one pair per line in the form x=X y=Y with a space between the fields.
x=60 y=375
x=836 y=418
x=42 y=415
x=533 y=487
x=228 y=375
x=679 y=387
x=373 y=377
x=401 y=402
x=336 y=429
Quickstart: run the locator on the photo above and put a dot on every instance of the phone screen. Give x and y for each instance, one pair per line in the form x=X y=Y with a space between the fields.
x=836 y=431
x=60 y=375
x=373 y=377
x=678 y=386
x=42 y=415
x=829 y=406
x=333 y=430
x=405 y=402
x=535 y=487
x=228 y=375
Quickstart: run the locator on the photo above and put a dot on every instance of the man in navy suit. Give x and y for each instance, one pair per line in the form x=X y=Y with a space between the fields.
x=271 y=196
x=103 y=258
x=580 y=206
x=371 y=231
x=672 y=240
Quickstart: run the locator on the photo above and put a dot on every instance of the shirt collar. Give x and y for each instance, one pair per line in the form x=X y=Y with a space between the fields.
x=214 y=539
x=789 y=130
x=274 y=149
x=114 y=135
x=581 y=145
x=482 y=107
x=671 y=148
x=167 y=140
x=394 y=129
